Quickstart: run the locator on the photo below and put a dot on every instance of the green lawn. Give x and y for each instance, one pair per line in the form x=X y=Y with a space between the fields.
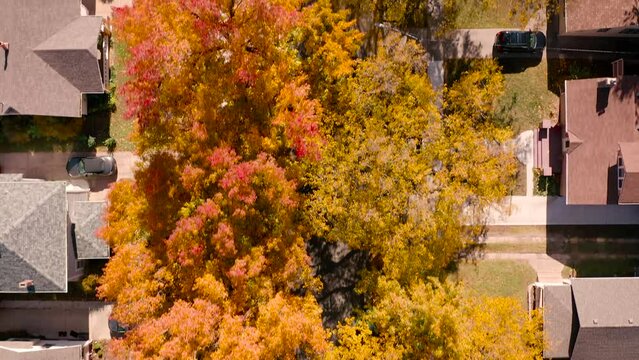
x=473 y=14
x=121 y=128
x=497 y=278
x=516 y=247
x=527 y=100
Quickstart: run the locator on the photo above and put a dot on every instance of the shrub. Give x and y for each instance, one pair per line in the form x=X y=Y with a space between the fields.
x=89 y=283
x=91 y=142
x=99 y=349
x=16 y=129
x=110 y=144
x=61 y=129
x=545 y=185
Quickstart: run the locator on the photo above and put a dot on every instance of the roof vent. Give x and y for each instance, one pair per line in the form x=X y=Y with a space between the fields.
x=630 y=321
x=25 y=284
x=594 y=321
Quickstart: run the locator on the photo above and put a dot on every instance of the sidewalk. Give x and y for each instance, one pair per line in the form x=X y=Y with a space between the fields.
x=552 y=210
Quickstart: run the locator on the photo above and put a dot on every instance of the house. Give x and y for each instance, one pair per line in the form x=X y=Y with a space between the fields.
x=55 y=58
x=595 y=145
x=36 y=349
x=589 y=318
x=583 y=15
x=47 y=232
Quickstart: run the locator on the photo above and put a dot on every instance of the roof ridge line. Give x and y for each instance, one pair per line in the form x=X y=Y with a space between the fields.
x=21 y=219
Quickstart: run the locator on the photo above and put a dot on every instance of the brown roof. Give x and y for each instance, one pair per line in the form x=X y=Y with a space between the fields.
x=601 y=118
x=630 y=190
x=52 y=60
x=596 y=14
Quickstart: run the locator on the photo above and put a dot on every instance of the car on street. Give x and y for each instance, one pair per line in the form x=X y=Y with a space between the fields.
x=516 y=41
x=91 y=166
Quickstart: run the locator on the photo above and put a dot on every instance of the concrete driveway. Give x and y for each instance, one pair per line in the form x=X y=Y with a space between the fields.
x=56 y=319
x=52 y=166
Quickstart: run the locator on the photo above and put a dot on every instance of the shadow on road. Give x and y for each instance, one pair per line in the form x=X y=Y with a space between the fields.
x=595 y=250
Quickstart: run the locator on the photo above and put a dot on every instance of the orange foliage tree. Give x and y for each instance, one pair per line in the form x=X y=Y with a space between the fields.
x=210 y=260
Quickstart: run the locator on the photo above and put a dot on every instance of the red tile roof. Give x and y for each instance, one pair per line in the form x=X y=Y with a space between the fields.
x=600 y=119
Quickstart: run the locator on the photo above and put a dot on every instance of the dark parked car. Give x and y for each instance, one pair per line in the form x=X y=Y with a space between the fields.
x=91 y=166
x=116 y=329
x=516 y=41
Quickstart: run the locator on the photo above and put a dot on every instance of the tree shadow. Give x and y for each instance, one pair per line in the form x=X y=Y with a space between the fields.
x=457 y=45
x=338 y=267
x=631 y=17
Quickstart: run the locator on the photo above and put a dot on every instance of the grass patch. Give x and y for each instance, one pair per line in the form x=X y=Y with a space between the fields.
x=121 y=127
x=474 y=14
x=603 y=267
x=526 y=99
x=497 y=278
x=517 y=230
x=516 y=247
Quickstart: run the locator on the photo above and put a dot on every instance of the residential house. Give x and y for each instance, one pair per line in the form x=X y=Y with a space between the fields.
x=35 y=349
x=47 y=231
x=589 y=318
x=595 y=145
x=55 y=58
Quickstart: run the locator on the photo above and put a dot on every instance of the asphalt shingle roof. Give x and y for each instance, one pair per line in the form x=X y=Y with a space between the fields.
x=52 y=59
x=87 y=217
x=606 y=325
x=595 y=135
x=558 y=318
x=33 y=235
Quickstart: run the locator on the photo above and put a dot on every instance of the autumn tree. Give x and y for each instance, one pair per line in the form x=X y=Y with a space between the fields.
x=432 y=320
x=410 y=183
x=399 y=180
x=210 y=259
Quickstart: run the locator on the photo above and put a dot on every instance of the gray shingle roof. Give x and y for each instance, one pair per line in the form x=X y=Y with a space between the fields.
x=33 y=235
x=10 y=177
x=558 y=319
x=87 y=217
x=52 y=60
x=607 y=343
x=606 y=302
x=603 y=314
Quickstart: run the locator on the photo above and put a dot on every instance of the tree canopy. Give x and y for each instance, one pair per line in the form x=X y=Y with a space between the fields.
x=258 y=128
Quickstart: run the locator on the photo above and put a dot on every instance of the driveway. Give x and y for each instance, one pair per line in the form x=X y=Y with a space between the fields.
x=52 y=166
x=56 y=319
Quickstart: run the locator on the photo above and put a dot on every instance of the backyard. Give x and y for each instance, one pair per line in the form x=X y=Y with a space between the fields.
x=496 y=278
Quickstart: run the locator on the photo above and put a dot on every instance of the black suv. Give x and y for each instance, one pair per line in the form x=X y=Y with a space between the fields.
x=515 y=41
